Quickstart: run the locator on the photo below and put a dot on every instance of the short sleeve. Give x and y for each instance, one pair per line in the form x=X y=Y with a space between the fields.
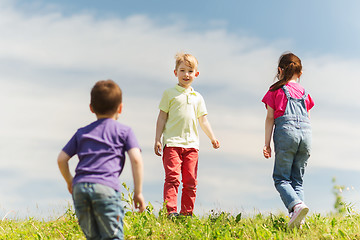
x=201 y=108
x=309 y=102
x=71 y=147
x=269 y=99
x=131 y=141
x=164 y=103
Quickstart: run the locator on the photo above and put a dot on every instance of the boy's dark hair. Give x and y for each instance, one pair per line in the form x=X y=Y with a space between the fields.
x=106 y=96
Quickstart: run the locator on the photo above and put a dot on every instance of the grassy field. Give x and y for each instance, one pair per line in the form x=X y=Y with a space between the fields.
x=149 y=225
x=226 y=226
x=344 y=223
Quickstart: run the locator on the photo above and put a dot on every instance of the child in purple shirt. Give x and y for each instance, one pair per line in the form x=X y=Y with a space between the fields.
x=100 y=147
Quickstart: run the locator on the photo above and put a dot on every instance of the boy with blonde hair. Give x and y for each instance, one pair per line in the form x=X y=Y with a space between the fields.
x=181 y=108
x=101 y=148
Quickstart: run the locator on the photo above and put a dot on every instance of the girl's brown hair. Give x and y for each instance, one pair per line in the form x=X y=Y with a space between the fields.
x=290 y=65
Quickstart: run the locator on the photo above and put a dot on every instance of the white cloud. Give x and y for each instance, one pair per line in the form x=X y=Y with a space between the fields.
x=133 y=45
x=335 y=81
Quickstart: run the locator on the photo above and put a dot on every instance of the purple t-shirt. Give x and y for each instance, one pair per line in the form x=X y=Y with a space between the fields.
x=101 y=148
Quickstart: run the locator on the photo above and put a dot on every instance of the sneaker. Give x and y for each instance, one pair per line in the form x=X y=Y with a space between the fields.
x=301 y=223
x=298 y=215
x=173 y=215
x=186 y=215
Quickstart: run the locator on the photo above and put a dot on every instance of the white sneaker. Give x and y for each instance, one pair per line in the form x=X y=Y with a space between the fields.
x=298 y=215
x=301 y=223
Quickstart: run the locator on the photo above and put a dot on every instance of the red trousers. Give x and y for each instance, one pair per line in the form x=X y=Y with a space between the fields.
x=178 y=162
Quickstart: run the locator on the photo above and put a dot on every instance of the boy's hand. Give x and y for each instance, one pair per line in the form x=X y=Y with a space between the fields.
x=63 y=164
x=139 y=202
x=69 y=186
x=267 y=151
x=158 y=148
x=215 y=143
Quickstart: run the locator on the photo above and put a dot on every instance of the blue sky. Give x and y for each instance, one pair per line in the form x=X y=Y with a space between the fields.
x=52 y=52
x=314 y=27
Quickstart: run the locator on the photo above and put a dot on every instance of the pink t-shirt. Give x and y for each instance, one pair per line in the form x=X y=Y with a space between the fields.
x=277 y=100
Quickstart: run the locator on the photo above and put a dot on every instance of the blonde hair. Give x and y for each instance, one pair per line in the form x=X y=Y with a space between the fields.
x=188 y=59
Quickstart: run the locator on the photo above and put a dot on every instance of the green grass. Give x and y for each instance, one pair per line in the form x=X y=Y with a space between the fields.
x=344 y=224
x=226 y=226
x=65 y=227
x=149 y=225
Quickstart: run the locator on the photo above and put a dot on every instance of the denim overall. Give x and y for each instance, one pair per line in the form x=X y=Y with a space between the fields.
x=292 y=141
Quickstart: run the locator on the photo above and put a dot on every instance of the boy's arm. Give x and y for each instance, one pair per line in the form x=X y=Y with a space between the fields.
x=160 y=124
x=137 y=172
x=205 y=126
x=269 y=125
x=63 y=164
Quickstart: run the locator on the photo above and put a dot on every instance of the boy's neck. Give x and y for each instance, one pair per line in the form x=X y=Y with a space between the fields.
x=183 y=86
x=103 y=116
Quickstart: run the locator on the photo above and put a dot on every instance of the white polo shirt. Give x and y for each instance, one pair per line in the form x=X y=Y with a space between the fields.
x=184 y=107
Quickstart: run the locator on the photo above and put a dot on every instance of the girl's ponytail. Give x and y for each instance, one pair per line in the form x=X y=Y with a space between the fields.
x=290 y=65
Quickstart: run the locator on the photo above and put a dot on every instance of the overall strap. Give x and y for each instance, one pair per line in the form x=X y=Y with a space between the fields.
x=284 y=88
x=305 y=95
x=287 y=93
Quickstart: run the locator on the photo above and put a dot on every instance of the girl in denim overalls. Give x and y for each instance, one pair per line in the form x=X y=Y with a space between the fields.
x=288 y=108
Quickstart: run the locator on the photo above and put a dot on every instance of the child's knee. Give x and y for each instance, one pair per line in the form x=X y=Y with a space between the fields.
x=190 y=183
x=174 y=180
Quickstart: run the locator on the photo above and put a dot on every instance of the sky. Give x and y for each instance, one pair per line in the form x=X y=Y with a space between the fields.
x=52 y=52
